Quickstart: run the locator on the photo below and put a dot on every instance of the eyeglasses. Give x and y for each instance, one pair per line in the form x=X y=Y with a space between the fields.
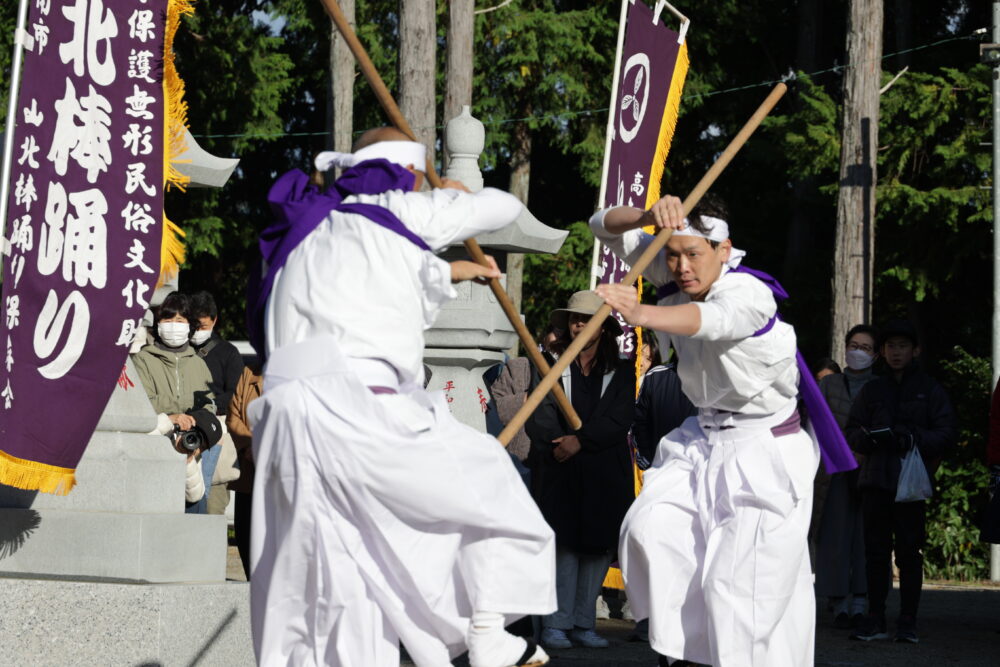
x=864 y=347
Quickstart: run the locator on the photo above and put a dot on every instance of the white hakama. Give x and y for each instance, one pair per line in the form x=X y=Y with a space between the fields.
x=379 y=518
x=714 y=549
x=385 y=519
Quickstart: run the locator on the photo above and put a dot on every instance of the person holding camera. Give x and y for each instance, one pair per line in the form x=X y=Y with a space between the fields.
x=890 y=416
x=177 y=380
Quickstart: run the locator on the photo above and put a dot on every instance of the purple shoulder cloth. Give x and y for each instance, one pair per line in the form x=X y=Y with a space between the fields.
x=299 y=207
x=833 y=447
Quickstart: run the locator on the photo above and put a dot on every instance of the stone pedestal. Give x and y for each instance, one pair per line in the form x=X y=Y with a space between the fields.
x=125 y=518
x=472 y=331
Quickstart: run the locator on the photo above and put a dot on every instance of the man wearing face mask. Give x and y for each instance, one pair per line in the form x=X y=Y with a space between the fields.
x=222 y=358
x=226 y=365
x=839 y=531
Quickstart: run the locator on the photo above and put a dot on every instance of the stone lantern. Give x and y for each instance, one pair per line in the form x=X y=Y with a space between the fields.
x=472 y=332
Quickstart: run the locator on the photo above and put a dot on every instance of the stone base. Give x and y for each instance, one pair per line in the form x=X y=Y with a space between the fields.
x=116 y=546
x=90 y=623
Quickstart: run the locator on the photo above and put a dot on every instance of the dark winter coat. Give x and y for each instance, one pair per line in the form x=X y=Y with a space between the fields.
x=916 y=405
x=585 y=498
x=660 y=408
x=225 y=363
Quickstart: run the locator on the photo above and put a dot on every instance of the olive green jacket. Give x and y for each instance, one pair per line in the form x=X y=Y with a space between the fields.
x=175 y=380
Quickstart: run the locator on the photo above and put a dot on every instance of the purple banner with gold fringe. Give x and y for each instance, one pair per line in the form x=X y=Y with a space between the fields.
x=85 y=222
x=643 y=117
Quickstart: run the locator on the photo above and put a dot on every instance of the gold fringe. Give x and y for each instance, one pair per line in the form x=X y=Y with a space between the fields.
x=613 y=579
x=671 y=111
x=174 y=126
x=34 y=476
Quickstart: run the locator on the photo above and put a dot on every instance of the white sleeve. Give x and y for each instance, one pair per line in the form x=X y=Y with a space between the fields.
x=443 y=217
x=194 y=483
x=736 y=308
x=629 y=246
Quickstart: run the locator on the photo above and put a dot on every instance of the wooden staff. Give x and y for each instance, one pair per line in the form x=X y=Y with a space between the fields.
x=644 y=260
x=471 y=246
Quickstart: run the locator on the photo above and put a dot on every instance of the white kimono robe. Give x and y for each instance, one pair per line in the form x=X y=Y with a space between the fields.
x=379 y=518
x=714 y=550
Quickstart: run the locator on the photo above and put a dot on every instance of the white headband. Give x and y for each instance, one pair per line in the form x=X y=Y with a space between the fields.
x=718 y=231
x=403 y=153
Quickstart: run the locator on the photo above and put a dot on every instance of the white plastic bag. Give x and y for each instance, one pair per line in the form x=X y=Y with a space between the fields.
x=914 y=483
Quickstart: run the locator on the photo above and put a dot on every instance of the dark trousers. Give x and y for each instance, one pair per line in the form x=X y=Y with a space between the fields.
x=241 y=526
x=893 y=526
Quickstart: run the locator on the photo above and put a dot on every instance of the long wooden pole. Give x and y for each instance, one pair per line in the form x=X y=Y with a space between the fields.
x=471 y=246
x=550 y=380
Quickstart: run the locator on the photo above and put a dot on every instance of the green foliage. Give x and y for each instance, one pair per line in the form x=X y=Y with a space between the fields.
x=953 y=549
x=561 y=275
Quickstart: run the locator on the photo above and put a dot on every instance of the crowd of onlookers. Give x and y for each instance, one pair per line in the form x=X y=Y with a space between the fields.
x=896 y=418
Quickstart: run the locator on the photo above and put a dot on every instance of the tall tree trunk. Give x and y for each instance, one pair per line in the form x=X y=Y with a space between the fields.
x=417 y=45
x=459 y=83
x=340 y=83
x=855 y=241
x=520 y=177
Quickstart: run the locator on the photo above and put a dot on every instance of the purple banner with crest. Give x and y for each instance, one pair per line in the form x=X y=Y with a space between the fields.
x=642 y=123
x=85 y=223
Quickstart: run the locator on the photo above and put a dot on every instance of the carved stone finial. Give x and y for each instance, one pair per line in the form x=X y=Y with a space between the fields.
x=465 y=138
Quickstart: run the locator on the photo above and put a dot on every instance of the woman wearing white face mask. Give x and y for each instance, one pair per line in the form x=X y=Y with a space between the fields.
x=840 y=551
x=176 y=380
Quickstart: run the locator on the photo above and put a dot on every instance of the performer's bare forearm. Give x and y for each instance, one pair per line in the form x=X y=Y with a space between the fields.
x=684 y=320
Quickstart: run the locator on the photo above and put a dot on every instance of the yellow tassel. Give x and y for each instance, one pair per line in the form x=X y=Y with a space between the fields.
x=613 y=579
x=175 y=124
x=34 y=476
x=671 y=111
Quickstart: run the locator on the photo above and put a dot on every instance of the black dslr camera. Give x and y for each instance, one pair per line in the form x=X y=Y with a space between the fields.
x=206 y=432
x=190 y=440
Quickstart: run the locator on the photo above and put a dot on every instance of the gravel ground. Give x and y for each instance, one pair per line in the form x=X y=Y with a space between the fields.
x=958 y=625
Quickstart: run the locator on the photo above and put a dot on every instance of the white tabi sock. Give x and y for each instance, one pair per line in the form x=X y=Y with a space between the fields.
x=492 y=646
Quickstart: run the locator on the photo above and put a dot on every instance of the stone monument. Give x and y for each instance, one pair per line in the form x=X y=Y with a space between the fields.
x=472 y=332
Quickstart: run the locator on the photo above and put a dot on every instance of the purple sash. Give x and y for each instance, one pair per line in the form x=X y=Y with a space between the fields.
x=833 y=448
x=299 y=206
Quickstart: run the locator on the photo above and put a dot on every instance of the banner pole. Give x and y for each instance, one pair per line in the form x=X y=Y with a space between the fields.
x=8 y=145
x=609 y=134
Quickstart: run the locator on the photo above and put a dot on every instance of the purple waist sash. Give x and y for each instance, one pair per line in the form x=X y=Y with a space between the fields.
x=836 y=454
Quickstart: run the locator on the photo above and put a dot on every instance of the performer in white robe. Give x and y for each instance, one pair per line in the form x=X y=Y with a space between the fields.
x=714 y=549
x=378 y=517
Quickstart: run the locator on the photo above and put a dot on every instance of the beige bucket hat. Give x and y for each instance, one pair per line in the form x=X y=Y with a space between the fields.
x=583 y=303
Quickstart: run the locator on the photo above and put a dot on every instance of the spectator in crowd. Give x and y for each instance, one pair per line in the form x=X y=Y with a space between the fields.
x=826 y=366
x=248 y=389
x=583 y=478
x=222 y=358
x=837 y=523
x=891 y=415
x=226 y=365
x=661 y=405
x=176 y=380
x=509 y=392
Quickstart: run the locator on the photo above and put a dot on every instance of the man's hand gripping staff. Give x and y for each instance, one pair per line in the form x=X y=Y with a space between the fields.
x=663 y=214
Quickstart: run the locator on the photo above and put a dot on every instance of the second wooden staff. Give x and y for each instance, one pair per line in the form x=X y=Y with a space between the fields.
x=471 y=246
x=581 y=340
